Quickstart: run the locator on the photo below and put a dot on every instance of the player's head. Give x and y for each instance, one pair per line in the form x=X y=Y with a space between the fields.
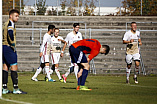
x=14 y=15
x=56 y=32
x=51 y=28
x=104 y=49
x=133 y=26
x=76 y=27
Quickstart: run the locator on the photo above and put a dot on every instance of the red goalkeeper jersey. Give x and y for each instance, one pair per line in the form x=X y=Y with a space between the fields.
x=88 y=46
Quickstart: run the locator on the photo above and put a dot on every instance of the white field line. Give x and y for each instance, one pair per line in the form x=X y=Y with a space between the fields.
x=15 y=101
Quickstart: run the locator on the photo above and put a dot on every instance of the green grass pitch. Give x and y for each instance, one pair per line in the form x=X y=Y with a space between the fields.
x=106 y=89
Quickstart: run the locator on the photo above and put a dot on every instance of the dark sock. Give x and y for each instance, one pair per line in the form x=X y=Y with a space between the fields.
x=14 y=78
x=71 y=69
x=79 y=81
x=5 y=79
x=84 y=77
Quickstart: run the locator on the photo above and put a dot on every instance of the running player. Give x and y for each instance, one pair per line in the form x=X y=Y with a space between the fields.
x=9 y=53
x=44 y=54
x=71 y=38
x=77 y=52
x=56 y=51
x=133 y=40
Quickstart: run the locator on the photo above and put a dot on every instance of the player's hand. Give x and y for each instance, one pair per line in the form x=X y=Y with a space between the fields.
x=132 y=40
x=79 y=74
x=59 y=39
x=62 y=54
x=88 y=60
x=40 y=54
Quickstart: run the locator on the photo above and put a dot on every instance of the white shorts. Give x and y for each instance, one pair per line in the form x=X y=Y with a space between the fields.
x=135 y=57
x=55 y=57
x=44 y=59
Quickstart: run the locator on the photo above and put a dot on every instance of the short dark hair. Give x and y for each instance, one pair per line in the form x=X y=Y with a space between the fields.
x=76 y=24
x=13 y=11
x=51 y=27
x=133 y=23
x=107 y=48
x=56 y=28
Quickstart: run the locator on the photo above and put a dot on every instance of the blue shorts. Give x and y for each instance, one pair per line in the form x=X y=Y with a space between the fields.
x=77 y=56
x=9 y=56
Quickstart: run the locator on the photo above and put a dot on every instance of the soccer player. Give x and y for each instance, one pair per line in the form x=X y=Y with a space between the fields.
x=133 y=40
x=44 y=54
x=9 y=53
x=77 y=52
x=71 y=38
x=56 y=51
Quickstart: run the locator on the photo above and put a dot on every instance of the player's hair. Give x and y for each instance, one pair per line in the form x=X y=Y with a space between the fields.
x=76 y=24
x=56 y=28
x=107 y=48
x=51 y=27
x=132 y=23
x=13 y=11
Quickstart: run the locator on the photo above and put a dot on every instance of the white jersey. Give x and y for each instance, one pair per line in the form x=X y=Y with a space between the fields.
x=71 y=38
x=56 y=43
x=46 y=45
x=132 y=48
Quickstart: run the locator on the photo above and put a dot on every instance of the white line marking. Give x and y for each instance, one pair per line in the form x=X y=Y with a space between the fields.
x=20 y=102
x=143 y=86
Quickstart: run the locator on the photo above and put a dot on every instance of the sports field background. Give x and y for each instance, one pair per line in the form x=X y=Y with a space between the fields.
x=106 y=89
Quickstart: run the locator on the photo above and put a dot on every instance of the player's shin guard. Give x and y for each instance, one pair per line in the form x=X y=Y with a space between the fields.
x=127 y=73
x=14 y=77
x=84 y=77
x=136 y=71
x=5 y=79
x=76 y=70
x=37 y=72
x=47 y=72
x=58 y=73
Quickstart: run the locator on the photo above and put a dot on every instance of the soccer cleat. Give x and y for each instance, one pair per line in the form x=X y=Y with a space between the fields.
x=127 y=81
x=78 y=88
x=51 y=80
x=64 y=78
x=61 y=80
x=135 y=79
x=34 y=79
x=18 y=91
x=45 y=78
x=84 y=88
x=5 y=91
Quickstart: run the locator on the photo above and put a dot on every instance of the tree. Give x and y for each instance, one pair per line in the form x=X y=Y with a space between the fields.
x=41 y=9
x=133 y=7
x=7 y=5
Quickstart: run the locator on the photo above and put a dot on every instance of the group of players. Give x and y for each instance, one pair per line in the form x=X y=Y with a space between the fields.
x=51 y=46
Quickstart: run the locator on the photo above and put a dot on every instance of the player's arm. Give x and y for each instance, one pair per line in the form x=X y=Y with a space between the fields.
x=139 y=40
x=11 y=35
x=92 y=55
x=65 y=44
x=42 y=46
x=126 y=42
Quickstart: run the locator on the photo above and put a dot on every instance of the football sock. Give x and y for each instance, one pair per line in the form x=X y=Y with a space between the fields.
x=84 y=77
x=14 y=77
x=37 y=72
x=127 y=73
x=71 y=69
x=76 y=70
x=136 y=71
x=67 y=73
x=79 y=81
x=5 y=79
x=47 y=72
x=58 y=73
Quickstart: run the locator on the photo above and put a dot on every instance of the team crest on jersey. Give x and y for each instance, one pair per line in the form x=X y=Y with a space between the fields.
x=78 y=36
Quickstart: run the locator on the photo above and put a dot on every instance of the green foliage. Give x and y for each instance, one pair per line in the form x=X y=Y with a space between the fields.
x=41 y=9
x=133 y=7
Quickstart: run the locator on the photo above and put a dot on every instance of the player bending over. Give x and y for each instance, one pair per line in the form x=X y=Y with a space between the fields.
x=9 y=53
x=44 y=54
x=56 y=51
x=77 y=52
x=133 y=40
x=71 y=38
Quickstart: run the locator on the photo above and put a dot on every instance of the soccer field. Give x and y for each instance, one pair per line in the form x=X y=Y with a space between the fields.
x=105 y=90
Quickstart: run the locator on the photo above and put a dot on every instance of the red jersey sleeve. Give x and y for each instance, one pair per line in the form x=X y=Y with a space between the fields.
x=93 y=54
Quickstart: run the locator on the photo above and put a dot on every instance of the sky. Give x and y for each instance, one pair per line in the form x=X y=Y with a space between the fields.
x=103 y=3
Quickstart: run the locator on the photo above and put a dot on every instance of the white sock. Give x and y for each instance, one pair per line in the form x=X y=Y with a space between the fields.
x=58 y=73
x=127 y=73
x=47 y=72
x=136 y=71
x=67 y=73
x=76 y=70
x=51 y=71
x=37 y=72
